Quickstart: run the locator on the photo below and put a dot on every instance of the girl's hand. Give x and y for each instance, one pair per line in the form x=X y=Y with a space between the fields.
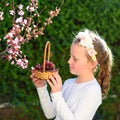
x=37 y=82
x=55 y=82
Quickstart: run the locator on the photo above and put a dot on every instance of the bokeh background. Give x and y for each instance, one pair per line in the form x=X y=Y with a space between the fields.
x=17 y=92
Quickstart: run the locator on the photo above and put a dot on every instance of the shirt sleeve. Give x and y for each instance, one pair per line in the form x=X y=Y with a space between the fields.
x=46 y=102
x=85 y=109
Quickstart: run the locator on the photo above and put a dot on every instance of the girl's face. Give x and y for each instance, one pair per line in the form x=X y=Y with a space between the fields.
x=78 y=61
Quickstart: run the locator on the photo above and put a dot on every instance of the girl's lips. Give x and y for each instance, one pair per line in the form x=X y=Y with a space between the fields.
x=70 y=67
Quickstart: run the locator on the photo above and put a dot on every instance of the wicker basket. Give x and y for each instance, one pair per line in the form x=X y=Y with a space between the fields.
x=45 y=74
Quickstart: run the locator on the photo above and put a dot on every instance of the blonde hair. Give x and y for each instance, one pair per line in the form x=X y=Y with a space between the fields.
x=104 y=58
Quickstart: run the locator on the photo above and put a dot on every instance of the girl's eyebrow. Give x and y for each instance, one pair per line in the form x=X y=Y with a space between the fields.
x=75 y=57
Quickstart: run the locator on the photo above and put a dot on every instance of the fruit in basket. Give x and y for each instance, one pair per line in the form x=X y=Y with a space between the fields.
x=44 y=74
x=48 y=66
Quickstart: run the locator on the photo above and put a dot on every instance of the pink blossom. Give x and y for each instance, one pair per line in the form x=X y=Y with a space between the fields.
x=10 y=35
x=1 y=16
x=20 y=6
x=34 y=0
x=7 y=4
x=19 y=20
x=10 y=51
x=28 y=29
x=16 y=29
x=30 y=8
x=54 y=13
x=12 y=12
x=16 y=41
x=12 y=62
x=23 y=30
x=9 y=57
x=25 y=22
x=49 y=21
x=21 y=12
x=22 y=63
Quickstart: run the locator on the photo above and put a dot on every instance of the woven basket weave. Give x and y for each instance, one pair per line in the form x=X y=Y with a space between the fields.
x=45 y=74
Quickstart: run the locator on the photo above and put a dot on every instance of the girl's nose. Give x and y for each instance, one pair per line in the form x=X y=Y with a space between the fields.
x=69 y=61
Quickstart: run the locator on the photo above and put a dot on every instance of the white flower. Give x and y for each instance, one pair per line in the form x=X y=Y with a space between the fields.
x=87 y=42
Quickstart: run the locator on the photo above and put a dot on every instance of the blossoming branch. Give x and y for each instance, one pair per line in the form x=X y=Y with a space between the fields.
x=23 y=30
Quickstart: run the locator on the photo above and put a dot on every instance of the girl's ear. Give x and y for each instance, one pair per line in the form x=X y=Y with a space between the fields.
x=93 y=65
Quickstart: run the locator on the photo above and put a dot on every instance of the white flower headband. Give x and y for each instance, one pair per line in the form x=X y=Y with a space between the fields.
x=86 y=40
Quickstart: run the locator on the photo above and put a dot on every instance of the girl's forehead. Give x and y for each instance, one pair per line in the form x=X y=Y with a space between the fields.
x=77 y=50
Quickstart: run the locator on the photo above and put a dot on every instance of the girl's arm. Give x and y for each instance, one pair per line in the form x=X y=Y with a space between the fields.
x=45 y=102
x=44 y=97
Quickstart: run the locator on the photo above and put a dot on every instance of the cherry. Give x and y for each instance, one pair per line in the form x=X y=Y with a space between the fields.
x=48 y=66
x=38 y=66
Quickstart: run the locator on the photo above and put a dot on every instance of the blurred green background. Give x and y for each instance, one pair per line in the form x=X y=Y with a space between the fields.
x=16 y=87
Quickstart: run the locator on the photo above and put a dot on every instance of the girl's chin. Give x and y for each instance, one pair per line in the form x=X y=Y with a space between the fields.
x=72 y=72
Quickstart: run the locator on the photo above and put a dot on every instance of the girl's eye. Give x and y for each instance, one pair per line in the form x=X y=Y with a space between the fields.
x=75 y=59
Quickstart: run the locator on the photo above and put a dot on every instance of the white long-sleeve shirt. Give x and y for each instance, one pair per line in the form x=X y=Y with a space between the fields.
x=74 y=102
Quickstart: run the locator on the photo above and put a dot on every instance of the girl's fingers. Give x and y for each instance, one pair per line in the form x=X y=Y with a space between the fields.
x=32 y=76
x=57 y=77
x=50 y=83
x=36 y=82
x=53 y=80
x=34 y=79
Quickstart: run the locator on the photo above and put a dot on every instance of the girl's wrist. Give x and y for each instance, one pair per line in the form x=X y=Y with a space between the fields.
x=41 y=85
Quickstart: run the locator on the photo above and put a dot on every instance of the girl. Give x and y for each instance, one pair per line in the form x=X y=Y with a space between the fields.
x=80 y=97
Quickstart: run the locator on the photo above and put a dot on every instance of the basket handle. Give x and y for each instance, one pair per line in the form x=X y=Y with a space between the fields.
x=46 y=50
